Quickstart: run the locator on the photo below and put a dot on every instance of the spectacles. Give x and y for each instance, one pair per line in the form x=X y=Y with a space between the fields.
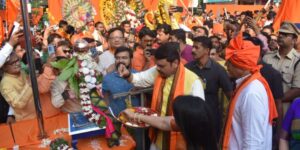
x=67 y=51
x=116 y=38
x=13 y=62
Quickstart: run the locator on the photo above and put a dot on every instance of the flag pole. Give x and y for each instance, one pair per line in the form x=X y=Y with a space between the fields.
x=29 y=56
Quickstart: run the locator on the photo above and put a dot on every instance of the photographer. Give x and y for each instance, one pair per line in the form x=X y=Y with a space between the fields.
x=143 y=56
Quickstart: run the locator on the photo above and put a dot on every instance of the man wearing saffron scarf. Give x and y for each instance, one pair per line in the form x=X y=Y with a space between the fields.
x=252 y=107
x=170 y=79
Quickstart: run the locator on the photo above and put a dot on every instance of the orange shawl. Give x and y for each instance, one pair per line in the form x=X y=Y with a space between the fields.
x=245 y=55
x=157 y=98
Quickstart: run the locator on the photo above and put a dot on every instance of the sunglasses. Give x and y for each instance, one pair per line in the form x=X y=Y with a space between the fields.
x=67 y=51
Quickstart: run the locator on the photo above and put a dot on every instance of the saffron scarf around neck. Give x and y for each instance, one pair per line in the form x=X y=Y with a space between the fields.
x=157 y=100
x=272 y=107
x=176 y=90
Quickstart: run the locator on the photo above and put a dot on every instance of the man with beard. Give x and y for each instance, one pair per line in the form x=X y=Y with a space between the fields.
x=114 y=84
x=170 y=79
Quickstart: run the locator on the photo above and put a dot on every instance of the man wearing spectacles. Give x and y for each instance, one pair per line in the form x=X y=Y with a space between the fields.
x=107 y=59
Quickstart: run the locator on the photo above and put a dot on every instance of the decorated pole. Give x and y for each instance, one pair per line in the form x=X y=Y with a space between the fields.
x=29 y=56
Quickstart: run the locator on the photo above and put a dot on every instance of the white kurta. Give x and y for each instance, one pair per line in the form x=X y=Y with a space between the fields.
x=251 y=129
x=147 y=78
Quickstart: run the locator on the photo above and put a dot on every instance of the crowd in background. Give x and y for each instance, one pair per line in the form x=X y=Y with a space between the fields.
x=128 y=57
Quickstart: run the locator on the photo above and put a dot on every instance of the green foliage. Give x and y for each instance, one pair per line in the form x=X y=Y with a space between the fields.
x=103 y=122
x=71 y=64
x=74 y=85
x=55 y=144
x=66 y=74
x=61 y=64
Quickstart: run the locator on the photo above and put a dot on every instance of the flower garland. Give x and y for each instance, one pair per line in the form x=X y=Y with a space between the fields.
x=88 y=77
x=89 y=80
x=121 y=5
x=60 y=144
x=84 y=80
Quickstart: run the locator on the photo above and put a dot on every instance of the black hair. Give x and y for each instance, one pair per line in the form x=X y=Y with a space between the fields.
x=115 y=29
x=214 y=37
x=89 y=40
x=169 y=51
x=247 y=13
x=62 y=23
x=124 y=49
x=52 y=36
x=70 y=30
x=179 y=34
x=271 y=15
x=146 y=31
x=268 y=27
x=198 y=133
x=203 y=28
x=205 y=41
x=64 y=43
x=165 y=27
x=97 y=23
x=125 y=22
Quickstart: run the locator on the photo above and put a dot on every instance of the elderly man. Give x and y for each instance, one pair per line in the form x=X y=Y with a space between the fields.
x=170 y=79
x=252 y=108
x=106 y=60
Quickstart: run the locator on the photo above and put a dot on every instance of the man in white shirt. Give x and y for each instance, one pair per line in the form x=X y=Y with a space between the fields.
x=107 y=59
x=170 y=79
x=252 y=107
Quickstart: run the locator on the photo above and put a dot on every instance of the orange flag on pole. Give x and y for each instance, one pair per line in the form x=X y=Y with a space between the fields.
x=13 y=9
x=288 y=11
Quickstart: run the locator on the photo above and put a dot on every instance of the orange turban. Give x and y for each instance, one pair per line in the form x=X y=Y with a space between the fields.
x=243 y=54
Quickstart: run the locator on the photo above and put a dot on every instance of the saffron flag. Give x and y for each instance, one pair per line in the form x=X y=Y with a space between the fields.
x=13 y=8
x=288 y=11
x=1 y=31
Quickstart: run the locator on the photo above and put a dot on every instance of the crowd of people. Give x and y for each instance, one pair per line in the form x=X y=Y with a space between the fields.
x=230 y=89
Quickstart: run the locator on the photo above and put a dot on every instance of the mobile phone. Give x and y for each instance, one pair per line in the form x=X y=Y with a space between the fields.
x=93 y=51
x=178 y=9
x=51 y=49
x=14 y=29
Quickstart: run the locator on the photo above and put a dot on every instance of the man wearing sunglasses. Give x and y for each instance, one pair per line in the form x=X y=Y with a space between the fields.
x=285 y=61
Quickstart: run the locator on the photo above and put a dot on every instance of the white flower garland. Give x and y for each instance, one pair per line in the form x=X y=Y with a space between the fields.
x=87 y=71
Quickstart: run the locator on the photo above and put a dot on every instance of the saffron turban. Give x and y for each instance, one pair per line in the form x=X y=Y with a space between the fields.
x=243 y=54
